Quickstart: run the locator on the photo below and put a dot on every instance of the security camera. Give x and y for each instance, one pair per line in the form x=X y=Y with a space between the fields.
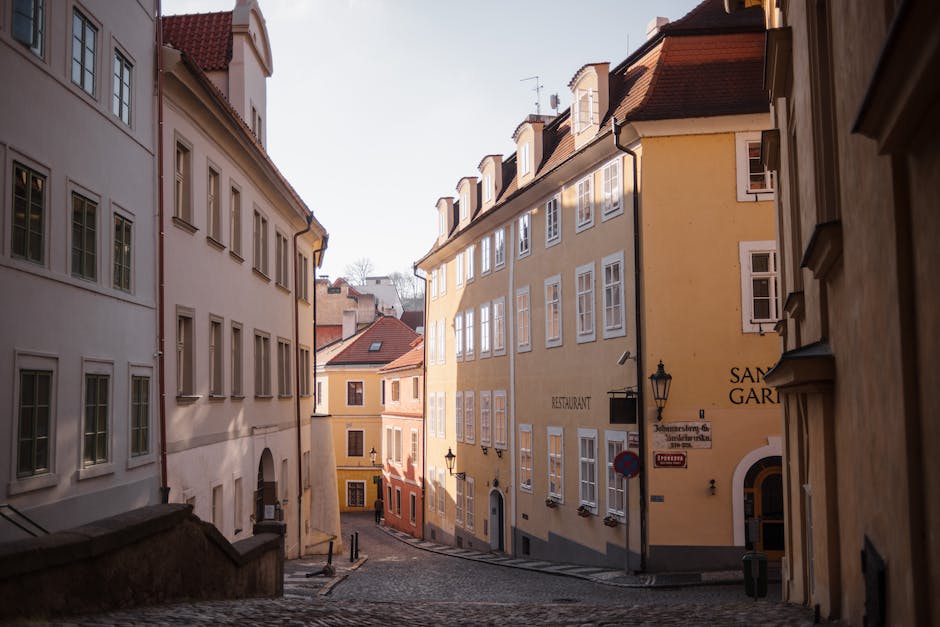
x=623 y=358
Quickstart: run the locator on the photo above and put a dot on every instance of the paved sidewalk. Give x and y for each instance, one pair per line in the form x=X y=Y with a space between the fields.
x=297 y=584
x=607 y=576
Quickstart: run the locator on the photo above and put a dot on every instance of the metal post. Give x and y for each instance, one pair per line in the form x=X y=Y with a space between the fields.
x=329 y=555
x=357 y=545
x=352 y=548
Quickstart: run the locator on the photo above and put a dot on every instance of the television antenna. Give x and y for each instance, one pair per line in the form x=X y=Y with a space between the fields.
x=538 y=92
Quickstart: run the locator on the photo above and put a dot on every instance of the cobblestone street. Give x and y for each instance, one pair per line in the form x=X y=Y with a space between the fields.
x=397 y=584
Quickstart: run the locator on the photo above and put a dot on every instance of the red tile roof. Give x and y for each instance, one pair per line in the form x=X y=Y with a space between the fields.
x=413 y=319
x=411 y=359
x=206 y=37
x=395 y=337
x=711 y=15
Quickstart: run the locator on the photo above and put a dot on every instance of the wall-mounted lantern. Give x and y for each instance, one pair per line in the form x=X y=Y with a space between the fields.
x=450 y=459
x=660 y=380
x=711 y=487
x=372 y=454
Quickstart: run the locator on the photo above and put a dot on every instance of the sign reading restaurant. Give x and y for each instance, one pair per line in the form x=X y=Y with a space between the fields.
x=575 y=403
x=682 y=435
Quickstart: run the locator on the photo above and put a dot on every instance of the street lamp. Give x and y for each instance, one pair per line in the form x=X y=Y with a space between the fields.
x=372 y=455
x=449 y=459
x=660 y=380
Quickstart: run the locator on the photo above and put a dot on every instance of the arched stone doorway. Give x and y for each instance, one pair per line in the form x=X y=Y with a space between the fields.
x=497 y=521
x=266 y=494
x=763 y=507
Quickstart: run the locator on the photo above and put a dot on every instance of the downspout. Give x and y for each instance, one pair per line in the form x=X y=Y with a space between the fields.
x=300 y=476
x=509 y=322
x=424 y=400
x=161 y=277
x=641 y=416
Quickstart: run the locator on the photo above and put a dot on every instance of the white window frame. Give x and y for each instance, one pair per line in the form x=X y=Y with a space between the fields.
x=553 y=305
x=43 y=477
x=553 y=221
x=443 y=278
x=459 y=269
x=525 y=458
x=485 y=255
x=584 y=214
x=441 y=492
x=458 y=336
x=612 y=188
x=618 y=290
x=524 y=235
x=499 y=327
x=584 y=334
x=464 y=205
x=415 y=446
x=618 y=485
x=742 y=169
x=95 y=468
x=441 y=415
x=470 y=262
x=500 y=425
x=745 y=251
x=431 y=495
x=577 y=108
x=489 y=190
x=499 y=248
x=523 y=320
x=470 y=344
x=432 y=342
x=459 y=501
x=469 y=417
x=587 y=478
x=559 y=493
x=524 y=159
x=441 y=343
x=485 y=334
x=441 y=223
x=396 y=433
x=434 y=284
x=432 y=414
x=458 y=416
x=486 y=418
x=349 y=482
x=470 y=504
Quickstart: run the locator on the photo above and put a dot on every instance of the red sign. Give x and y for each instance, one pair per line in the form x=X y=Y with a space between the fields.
x=627 y=464
x=670 y=460
x=633 y=440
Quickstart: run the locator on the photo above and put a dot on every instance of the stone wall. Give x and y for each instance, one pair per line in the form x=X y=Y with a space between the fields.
x=152 y=555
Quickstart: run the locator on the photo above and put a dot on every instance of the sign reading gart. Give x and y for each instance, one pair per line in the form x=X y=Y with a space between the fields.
x=682 y=435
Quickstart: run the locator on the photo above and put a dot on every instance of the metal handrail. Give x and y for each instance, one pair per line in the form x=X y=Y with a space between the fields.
x=7 y=506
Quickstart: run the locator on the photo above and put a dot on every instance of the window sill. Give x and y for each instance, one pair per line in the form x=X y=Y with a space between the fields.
x=141 y=460
x=237 y=397
x=552 y=242
x=524 y=349
x=184 y=225
x=263 y=397
x=523 y=255
x=282 y=397
x=612 y=333
x=584 y=339
x=234 y=255
x=261 y=275
x=216 y=397
x=612 y=214
x=186 y=399
x=553 y=343
x=215 y=243
x=29 y=484
x=584 y=227
x=824 y=249
x=282 y=287
x=98 y=470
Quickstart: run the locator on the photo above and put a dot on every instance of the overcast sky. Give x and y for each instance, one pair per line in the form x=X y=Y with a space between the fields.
x=378 y=107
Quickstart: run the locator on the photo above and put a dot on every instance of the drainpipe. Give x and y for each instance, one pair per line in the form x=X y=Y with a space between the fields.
x=641 y=417
x=300 y=482
x=161 y=279
x=315 y=261
x=509 y=323
x=424 y=401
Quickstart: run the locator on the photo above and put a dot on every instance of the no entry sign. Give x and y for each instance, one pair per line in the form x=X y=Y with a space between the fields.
x=627 y=464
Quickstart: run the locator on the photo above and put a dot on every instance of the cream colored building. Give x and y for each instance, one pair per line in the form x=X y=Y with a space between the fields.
x=853 y=138
x=78 y=362
x=241 y=246
x=541 y=310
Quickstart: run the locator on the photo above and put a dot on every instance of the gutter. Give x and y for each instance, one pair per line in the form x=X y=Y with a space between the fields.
x=641 y=416
x=424 y=401
x=300 y=481
x=161 y=276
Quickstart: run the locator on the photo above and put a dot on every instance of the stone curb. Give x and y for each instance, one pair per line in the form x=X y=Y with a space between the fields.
x=604 y=576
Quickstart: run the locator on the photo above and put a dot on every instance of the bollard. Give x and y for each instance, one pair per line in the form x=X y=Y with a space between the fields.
x=754 y=565
x=329 y=555
x=357 y=545
x=352 y=548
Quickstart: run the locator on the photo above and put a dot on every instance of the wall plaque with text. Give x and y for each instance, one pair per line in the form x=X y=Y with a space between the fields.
x=682 y=435
x=670 y=460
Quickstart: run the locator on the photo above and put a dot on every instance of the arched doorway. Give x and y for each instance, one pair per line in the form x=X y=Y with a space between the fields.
x=497 y=542
x=763 y=507
x=266 y=494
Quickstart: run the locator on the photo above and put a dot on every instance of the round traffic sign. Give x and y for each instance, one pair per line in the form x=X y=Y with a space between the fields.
x=627 y=463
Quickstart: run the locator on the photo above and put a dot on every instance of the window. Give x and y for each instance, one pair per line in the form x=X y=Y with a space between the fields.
x=760 y=308
x=256 y=124
x=237 y=505
x=140 y=415
x=434 y=283
x=458 y=416
x=355 y=443
x=432 y=415
x=441 y=490
x=464 y=205
x=553 y=311
x=459 y=502
x=613 y=191
x=523 y=334
x=485 y=245
x=283 y=368
x=29 y=203
x=432 y=476
x=217 y=504
x=442 y=275
x=185 y=375
x=304 y=372
x=488 y=187
x=121 y=102
x=215 y=358
x=389 y=444
x=499 y=419
x=470 y=262
x=616 y=493
x=214 y=206
x=382 y=392
x=525 y=457
x=485 y=330
x=84 y=36
x=471 y=342
x=432 y=342
x=260 y=236
x=84 y=238
x=123 y=229
x=236 y=359
x=556 y=463
x=584 y=281
x=468 y=414
x=35 y=422
x=303 y=277
x=441 y=345
x=459 y=269
x=414 y=388
x=354 y=393
x=499 y=239
x=413 y=508
x=486 y=426
x=499 y=326
x=458 y=335
x=613 y=295
x=753 y=182
x=281 y=272
x=396 y=391
x=583 y=113
x=182 y=208
x=441 y=224
x=414 y=446
x=355 y=494
x=471 y=519
x=441 y=416
x=97 y=396
x=524 y=239
x=553 y=221
x=587 y=467
x=525 y=163
x=28 y=22
x=398 y=502
x=262 y=365
x=235 y=209
x=585 y=203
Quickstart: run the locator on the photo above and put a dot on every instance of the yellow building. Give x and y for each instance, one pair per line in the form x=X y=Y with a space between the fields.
x=350 y=394
x=854 y=141
x=548 y=310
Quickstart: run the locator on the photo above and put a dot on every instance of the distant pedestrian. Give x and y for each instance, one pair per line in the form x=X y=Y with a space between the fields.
x=379 y=507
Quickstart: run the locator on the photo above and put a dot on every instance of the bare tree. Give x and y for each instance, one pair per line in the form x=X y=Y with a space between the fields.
x=358 y=271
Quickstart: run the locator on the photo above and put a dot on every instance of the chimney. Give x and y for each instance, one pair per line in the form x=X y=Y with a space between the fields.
x=652 y=29
x=349 y=323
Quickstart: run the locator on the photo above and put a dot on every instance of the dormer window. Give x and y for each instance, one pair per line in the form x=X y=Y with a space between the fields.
x=584 y=110
x=441 y=224
x=464 y=205
x=488 y=187
x=524 y=159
